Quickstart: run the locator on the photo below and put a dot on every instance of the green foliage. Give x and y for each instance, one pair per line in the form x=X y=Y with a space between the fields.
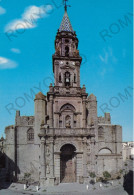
x=118 y=177
x=125 y=164
x=100 y=179
x=92 y=182
x=121 y=171
x=92 y=174
x=27 y=175
x=106 y=175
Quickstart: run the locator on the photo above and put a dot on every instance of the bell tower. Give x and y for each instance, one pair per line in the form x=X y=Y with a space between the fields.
x=66 y=60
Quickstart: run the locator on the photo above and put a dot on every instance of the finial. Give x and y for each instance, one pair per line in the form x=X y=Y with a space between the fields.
x=65 y=3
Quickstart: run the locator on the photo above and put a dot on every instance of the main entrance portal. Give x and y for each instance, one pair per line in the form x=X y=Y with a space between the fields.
x=68 y=164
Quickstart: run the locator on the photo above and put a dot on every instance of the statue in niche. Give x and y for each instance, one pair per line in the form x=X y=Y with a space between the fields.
x=47 y=169
x=88 y=146
x=68 y=121
x=92 y=123
x=47 y=151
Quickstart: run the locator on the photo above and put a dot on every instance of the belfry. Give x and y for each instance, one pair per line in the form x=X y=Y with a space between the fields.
x=65 y=141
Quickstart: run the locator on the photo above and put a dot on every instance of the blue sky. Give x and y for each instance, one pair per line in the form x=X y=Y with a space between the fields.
x=104 y=30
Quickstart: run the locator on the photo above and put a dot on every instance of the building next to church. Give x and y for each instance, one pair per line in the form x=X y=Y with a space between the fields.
x=127 y=150
x=65 y=141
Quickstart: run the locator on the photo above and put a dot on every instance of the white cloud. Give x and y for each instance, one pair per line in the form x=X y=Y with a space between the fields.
x=29 y=18
x=2 y=10
x=108 y=60
x=7 y=63
x=104 y=58
x=108 y=57
x=15 y=50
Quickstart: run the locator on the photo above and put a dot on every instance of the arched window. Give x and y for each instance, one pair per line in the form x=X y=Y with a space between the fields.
x=30 y=134
x=105 y=151
x=74 y=78
x=67 y=78
x=67 y=51
x=67 y=107
x=60 y=77
x=66 y=41
x=68 y=116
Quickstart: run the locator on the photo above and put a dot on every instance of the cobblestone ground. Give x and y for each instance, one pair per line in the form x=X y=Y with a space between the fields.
x=116 y=191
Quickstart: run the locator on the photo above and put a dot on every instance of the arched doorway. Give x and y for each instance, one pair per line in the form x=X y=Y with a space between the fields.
x=68 y=164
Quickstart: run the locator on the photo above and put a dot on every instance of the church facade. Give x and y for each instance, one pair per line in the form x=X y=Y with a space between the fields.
x=65 y=141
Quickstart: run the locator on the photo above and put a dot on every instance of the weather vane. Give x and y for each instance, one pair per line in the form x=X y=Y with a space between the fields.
x=65 y=3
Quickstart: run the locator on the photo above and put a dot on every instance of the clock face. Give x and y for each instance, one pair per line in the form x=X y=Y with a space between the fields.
x=61 y=62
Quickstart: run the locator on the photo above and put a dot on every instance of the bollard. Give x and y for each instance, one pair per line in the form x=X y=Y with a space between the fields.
x=87 y=187
x=24 y=186
x=100 y=185
x=37 y=188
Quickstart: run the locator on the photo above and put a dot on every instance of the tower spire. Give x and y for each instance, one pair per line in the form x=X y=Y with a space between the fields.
x=66 y=24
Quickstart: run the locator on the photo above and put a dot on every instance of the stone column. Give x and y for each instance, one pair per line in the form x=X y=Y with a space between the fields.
x=56 y=120
x=56 y=72
x=51 y=111
x=63 y=121
x=84 y=158
x=79 y=167
x=93 y=154
x=52 y=162
x=78 y=73
x=84 y=112
x=43 y=163
x=57 y=167
x=56 y=115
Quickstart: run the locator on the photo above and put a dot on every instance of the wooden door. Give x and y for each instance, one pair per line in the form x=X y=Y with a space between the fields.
x=67 y=169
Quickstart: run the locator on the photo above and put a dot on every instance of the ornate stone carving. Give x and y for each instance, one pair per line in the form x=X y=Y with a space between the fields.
x=76 y=53
x=47 y=169
x=58 y=50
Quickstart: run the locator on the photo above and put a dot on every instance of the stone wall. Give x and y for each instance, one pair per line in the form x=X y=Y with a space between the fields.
x=110 y=148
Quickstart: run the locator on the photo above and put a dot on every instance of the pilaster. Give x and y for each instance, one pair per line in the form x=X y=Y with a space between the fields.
x=43 y=162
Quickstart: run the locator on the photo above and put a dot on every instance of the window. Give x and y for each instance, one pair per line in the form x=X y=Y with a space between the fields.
x=67 y=51
x=66 y=41
x=74 y=123
x=104 y=151
x=60 y=77
x=30 y=135
x=60 y=123
x=74 y=78
x=67 y=79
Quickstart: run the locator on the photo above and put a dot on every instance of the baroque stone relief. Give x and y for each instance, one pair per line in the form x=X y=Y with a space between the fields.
x=27 y=121
x=48 y=159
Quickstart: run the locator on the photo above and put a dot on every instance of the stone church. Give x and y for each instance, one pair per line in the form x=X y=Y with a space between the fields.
x=65 y=140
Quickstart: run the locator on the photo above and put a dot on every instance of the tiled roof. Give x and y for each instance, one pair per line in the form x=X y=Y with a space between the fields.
x=66 y=24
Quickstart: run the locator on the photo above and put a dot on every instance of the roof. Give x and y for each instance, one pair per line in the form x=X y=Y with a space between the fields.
x=66 y=24
x=40 y=96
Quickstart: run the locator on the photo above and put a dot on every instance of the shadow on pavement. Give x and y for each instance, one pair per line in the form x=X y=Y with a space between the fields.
x=8 y=171
x=128 y=182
